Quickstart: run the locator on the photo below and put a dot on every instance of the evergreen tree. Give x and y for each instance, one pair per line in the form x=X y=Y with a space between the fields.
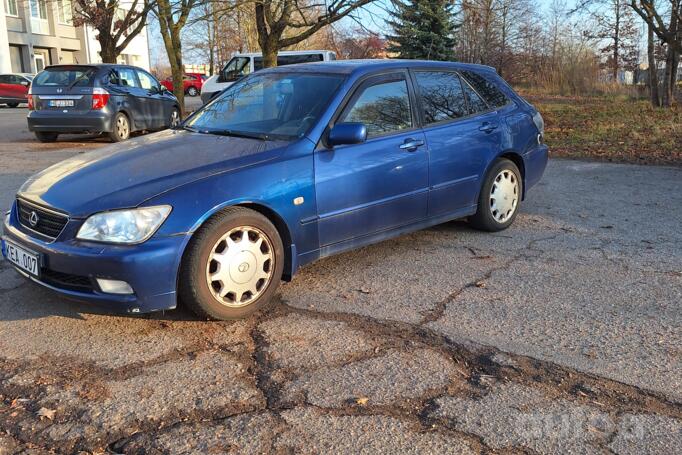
x=423 y=29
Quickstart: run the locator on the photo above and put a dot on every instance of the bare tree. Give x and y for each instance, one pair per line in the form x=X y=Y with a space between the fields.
x=284 y=23
x=116 y=27
x=670 y=33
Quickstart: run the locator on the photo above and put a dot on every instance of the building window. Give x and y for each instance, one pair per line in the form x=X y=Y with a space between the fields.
x=38 y=9
x=64 y=11
x=11 y=8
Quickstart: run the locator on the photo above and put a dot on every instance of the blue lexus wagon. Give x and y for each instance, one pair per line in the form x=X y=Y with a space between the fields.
x=287 y=166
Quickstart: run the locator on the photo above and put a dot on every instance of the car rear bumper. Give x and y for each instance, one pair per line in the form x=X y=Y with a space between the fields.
x=74 y=122
x=535 y=162
x=70 y=268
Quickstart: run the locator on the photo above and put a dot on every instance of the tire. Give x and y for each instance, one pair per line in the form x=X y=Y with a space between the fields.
x=495 y=214
x=258 y=266
x=192 y=91
x=121 y=128
x=12 y=105
x=174 y=119
x=46 y=137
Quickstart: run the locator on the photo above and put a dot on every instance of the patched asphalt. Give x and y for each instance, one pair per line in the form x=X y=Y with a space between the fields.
x=559 y=335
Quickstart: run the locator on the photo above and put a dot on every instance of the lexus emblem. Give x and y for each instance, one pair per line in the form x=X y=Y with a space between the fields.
x=33 y=219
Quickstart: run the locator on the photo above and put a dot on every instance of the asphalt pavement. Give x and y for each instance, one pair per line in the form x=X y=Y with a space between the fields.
x=562 y=334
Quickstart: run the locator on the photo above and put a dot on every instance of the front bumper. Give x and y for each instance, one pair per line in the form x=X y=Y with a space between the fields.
x=55 y=121
x=150 y=268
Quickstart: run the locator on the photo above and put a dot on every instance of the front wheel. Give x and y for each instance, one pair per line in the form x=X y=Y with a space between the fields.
x=498 y=202
x=121 y=130
x=192 y=91
x=232 y=266
x=46 y=137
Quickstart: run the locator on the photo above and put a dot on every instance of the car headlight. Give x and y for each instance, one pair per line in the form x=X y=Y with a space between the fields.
x=124 y=226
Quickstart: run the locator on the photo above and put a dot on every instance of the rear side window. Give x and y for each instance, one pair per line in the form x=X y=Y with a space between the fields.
x=384 y=108
x=486 y=89
x=124 y=77
x=441 y=96
x=65 y=76
x=5 y=79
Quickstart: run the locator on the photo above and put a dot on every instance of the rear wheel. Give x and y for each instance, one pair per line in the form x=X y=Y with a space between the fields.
x=498 y=202
x=233 y=265
x=192 y=91
x=121 y=130
x=12 y=105
x=42 y=136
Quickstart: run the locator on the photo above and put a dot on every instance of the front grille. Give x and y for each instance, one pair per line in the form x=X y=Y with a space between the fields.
x=49 y=223
x=66 y=281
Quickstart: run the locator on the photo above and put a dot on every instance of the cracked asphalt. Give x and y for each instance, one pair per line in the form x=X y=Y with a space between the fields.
x=559 y=335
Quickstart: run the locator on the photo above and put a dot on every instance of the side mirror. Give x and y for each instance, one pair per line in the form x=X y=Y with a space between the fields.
x=347 y=133
x=24 y=83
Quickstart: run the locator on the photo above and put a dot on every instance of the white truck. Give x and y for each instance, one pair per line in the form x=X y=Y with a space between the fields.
x=242 y=64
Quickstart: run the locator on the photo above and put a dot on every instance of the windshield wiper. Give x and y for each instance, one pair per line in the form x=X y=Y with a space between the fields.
x=189 y=128
x=80 y=78
x=246 y=134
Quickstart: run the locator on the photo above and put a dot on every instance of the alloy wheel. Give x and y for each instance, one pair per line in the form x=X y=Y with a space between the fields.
x=240 y=266
x=122 y=128
x=175 y=118
x=504 y=195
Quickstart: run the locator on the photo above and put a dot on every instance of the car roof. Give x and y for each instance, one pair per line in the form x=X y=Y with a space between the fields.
x=283 y=53
x=373 y=65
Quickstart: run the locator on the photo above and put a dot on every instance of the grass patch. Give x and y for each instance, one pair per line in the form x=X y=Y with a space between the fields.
x=610 y=128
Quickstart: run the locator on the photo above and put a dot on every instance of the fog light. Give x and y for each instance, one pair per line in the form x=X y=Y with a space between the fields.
x=114 y=286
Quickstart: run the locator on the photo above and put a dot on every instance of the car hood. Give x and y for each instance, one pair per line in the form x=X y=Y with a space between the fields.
x=126 y=174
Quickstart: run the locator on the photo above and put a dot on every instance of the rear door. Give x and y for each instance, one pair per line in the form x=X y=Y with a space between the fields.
x=124 y=85
x=64 y=88
x=461 y=139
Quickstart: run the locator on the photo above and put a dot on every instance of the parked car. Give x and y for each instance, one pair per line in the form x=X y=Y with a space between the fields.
x=14 y=88
x=191 y=82
x=105 y=98
x=243 y=64
x=287 y=166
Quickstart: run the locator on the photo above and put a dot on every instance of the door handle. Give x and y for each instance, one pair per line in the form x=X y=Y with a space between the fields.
x=488 y=127
x=411 y=145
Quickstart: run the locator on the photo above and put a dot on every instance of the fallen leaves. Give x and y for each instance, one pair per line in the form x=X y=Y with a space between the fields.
x=362 y=401
x=46 y=413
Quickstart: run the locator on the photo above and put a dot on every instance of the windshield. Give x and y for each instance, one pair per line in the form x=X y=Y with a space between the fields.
x=276 y=105
x=80 y=76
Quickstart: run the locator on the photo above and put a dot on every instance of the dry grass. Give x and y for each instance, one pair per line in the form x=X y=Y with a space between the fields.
x=611 y=128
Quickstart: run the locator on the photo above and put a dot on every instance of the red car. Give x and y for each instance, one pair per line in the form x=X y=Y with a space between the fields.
x=192 y=83
x=14 y=88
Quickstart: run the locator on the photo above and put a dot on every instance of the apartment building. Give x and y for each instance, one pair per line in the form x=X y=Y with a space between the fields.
x=38 y=33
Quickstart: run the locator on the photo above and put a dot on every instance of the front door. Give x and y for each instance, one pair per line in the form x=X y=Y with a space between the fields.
x=155 y=107
x=382 y=183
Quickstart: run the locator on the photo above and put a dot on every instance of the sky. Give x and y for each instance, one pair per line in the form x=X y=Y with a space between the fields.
x=372 y=17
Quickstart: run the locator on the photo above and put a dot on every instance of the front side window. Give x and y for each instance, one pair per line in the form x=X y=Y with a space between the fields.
x=64 y=11
x=38 y=9
x=277 y=105
x=236 y=68
x=441 y=96
x=11 y=7
x=384 y=108
x=488 y=90
x=146 y=80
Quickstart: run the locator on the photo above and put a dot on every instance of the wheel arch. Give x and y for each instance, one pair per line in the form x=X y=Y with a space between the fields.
x=516 y=158
x=131 y=119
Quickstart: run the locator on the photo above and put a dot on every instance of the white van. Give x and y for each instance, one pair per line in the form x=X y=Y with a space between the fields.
x=242 y=64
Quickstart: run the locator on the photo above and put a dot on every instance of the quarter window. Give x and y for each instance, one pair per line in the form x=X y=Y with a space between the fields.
x=383 y=108
x=486 y=89
x=476 y=103
x=441 y=96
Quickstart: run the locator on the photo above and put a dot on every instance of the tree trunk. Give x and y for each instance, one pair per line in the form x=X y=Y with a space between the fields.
x=108 y=48
x=668 y=78
x=616 y=44
x=653 y=70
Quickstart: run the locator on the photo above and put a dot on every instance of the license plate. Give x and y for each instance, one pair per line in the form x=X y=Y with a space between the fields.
x=27 y=261
x=60 y=103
